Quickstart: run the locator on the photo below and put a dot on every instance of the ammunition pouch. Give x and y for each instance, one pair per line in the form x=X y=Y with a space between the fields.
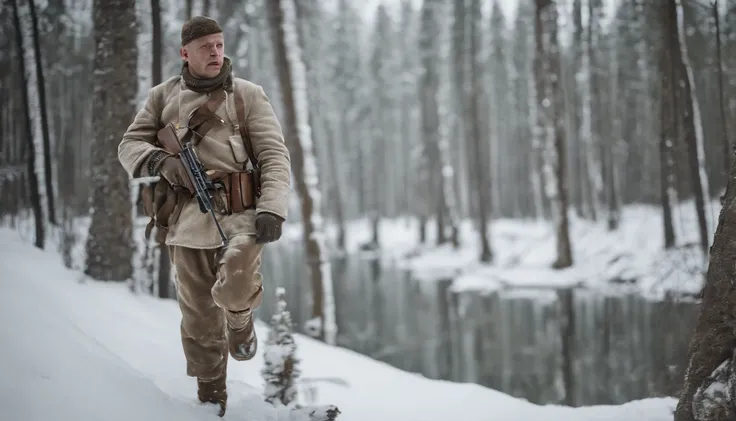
x=162 y=203
x=236 y=191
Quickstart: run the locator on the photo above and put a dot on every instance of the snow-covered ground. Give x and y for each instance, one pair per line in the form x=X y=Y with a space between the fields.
x=80 y=350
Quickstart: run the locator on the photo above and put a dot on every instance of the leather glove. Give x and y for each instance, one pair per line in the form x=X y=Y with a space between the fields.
x=268 y=227
x=172 y=169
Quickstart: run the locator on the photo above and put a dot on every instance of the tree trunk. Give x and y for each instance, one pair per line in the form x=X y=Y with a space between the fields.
x=668 y=137
x=33 y=185
x=726 y=143
x=41 y=86
x=541 y=112
x=164 y=262
x=591 y=114
x=557 y=147
x=156 y=49
x=110 y=246
x=434 y=194
x=690 y=118
x=474 y=112
x=714 y=339
x=282 y=16
x=577 y=159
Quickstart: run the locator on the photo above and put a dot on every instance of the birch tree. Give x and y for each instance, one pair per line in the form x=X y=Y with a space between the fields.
x=298 y=136
x=43 y=114
x=33 y=183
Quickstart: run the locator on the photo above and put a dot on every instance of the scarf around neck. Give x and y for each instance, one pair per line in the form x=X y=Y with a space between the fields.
x=224 y=80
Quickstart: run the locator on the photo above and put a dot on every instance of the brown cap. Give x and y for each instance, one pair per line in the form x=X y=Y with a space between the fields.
x=198 y=26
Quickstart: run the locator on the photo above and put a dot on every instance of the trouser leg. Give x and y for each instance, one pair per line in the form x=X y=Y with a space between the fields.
x=203 y=323
x=239 y=290
x=239 y=285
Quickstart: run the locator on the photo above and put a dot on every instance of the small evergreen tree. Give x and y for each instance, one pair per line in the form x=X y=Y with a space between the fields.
x=281 y=367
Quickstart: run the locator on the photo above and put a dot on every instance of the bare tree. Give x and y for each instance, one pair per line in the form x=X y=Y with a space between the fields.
x=556 y=148
x=434 y=201
x=726 y=143
x=714 y=340
x=43 y=110
x=164 y=263
x=33 y=184
x=475 y=129
x=668 y=134
x=298 y=136
x=109 y=244
x=689 y=119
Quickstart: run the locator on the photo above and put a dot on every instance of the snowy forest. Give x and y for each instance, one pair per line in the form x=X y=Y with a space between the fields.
x=523 y=195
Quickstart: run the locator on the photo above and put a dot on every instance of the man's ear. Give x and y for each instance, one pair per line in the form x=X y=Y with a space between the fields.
x=183 y=53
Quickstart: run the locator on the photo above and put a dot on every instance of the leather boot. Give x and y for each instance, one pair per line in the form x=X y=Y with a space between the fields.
x=213 y=391
x=242 y=339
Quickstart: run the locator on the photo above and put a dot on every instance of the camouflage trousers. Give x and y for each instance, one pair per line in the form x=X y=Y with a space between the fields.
x=209 y=282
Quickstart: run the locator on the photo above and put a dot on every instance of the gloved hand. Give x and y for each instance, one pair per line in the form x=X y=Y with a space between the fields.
x=268 y=227
x=172 y=169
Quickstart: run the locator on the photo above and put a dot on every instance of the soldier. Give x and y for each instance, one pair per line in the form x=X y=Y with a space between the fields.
x=239 y=141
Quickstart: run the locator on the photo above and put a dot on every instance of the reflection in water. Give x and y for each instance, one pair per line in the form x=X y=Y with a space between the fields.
x=617 y=347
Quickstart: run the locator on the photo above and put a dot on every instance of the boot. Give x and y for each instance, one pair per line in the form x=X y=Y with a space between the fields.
x=242 y=339
x=213 y=391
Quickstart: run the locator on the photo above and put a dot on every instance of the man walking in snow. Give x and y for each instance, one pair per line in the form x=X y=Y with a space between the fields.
x=239 y=142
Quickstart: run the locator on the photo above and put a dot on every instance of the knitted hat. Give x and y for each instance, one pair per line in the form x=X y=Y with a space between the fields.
x=198 y=26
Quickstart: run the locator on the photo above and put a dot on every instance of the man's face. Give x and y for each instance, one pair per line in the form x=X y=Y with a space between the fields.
x=205 y=55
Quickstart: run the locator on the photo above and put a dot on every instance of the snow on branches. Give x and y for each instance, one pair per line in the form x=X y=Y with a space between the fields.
x=280 y=369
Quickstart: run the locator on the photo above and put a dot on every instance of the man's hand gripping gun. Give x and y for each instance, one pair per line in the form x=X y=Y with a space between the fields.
x=203 y=187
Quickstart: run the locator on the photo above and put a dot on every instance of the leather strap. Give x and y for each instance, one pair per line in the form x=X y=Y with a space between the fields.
x=204 y=118
x=243 y=126
x=235 y=193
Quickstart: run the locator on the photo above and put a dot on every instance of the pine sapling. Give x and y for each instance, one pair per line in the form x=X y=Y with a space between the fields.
x=281 y=367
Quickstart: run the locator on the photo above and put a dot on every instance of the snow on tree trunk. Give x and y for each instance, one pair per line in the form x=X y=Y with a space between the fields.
x=714 y=399
x=280 y=363
x=110 y=245
x=298 y=135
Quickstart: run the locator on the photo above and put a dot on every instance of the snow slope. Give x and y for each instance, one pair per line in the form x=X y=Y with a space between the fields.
x=80 y=350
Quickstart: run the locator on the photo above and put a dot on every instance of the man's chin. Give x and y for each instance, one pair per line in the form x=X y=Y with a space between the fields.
x=212 y=71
